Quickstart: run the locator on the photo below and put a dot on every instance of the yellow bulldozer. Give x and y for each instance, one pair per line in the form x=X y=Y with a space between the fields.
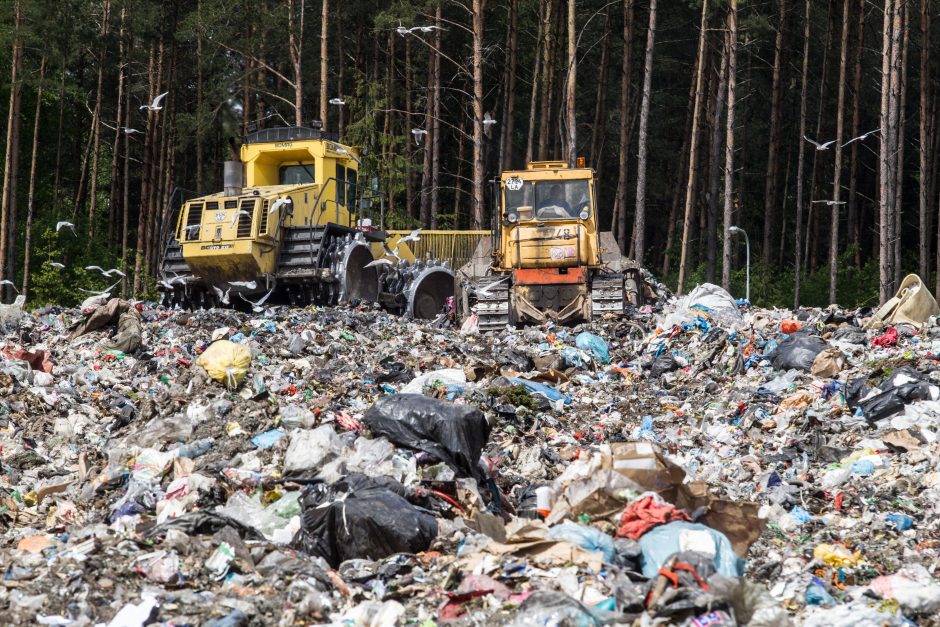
x=291 y=227
x=547 y=260
x=284 y=230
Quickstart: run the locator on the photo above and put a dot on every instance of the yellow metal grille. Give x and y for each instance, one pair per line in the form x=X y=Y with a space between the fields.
x=454 y=246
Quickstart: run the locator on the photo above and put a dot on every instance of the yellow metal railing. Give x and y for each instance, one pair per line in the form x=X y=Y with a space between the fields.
x=454 y=246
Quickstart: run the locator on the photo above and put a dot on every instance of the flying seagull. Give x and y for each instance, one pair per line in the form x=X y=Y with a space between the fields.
x=223 y=296
x=169 y=284
x=818 y=145
x=155 y=105
x=10 y=283
x=65 y=225
x=106 y=290
x=256 y=306
x=829 y=202
x=487 y=288
x=339 y=102
x=411 y=237
x=425 y=29
x=419 y=134
x=277 y=204
x=246 y=284
x=488 y=123
x=238 y=214
x=861 y=137
x=378 y=262
x=57 y=265
x=402 y=30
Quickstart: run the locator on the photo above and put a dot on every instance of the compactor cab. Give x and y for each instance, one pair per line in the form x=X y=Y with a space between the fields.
x=284 y=229
x=547 y=259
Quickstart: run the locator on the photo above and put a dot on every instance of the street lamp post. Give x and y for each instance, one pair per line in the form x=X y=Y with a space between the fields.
x=747 y=243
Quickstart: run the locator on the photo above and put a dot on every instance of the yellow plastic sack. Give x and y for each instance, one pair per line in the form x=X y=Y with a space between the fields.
x=226 y=362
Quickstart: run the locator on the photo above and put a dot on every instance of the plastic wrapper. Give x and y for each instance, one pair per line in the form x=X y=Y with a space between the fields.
x=361 y=517
x=454 y=434
x=554 y=608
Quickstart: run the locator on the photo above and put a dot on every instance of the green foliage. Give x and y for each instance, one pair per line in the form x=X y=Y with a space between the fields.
x=773 y=287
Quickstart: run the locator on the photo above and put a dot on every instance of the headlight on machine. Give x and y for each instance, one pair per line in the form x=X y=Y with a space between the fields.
x=585 y=214
x=512 y=217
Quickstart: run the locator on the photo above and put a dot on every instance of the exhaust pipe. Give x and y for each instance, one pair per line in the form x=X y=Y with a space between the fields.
x=233 y=177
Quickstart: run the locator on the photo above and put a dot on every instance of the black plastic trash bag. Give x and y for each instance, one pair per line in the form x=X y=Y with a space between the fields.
x=454 y=434
x=797 y=352
x=904 y=386
x=361 y=517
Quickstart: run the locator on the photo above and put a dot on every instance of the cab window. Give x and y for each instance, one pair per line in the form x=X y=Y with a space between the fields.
x=299 y=174
x=547 y=200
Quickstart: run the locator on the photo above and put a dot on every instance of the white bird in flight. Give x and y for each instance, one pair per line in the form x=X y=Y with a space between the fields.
x=246 y=284
x=155 y=105
x=818 y=145
x=65 y=225
x=488 y=123
x=426 y=29
x=169 y=284
x=829 y=202
x=861 y=137
x=378 y=262
x=104 y=292
x=489 y=286
x=402 y=30
x=57 y=265
x=256 y=306
x=10 y=283
x=238 y=214
x=223 y=296
x=419 y=134
x=339 y=102
x=411 y=237
x=277 y=204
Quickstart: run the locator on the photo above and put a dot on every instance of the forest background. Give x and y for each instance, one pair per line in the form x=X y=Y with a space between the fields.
x=695 y=116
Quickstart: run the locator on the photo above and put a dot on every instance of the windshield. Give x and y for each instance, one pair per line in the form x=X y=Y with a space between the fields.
x=296 y=174
x=546 y=200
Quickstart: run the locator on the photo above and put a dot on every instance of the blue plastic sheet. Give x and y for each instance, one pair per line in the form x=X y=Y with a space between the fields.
x=594 y=345
x=659 y=543
x=542 y=389
x=588 y=538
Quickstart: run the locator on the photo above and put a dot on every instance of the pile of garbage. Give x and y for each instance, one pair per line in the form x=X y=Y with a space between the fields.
x=702 y=462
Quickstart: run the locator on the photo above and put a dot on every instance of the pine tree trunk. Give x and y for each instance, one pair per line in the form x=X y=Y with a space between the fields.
x=691 y=184
x=295 y=41
x=324 y=60
x=639 y=223
x=837 y=168
x=547 y=74
x=126 y=200
x=886 y=190
x=31 y=194
x=773 y=145
x=479 y=221
x=899 y=151
x=571 y=85
x=925 y=134
x=801 y=161
x=200 y=114
x=509 y=89
x=116 y=144
x=854 y=215
x=619 y=217
x=10 y=161
x=728 y=215
x=714 y=168
x=143 y=205
x=56 y=183
x=340 y=76
x=436 y=123
x=598 y=130
x=533 y=97
x=413 y=208
x=681 y=172
x=96 y=124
